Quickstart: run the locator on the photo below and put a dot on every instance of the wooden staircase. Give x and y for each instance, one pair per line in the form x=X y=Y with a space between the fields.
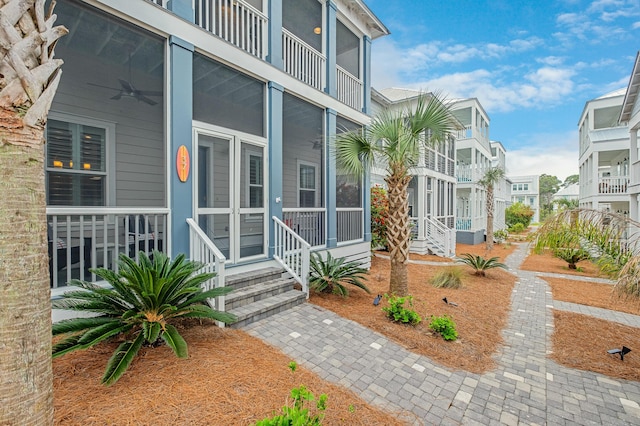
x=259 y=294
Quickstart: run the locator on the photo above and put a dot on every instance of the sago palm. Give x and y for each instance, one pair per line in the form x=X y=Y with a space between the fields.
x=331 y=275
x=30 y=77
x=145 y=298
x=491 y=177
x=393 y=141
x=479 y=264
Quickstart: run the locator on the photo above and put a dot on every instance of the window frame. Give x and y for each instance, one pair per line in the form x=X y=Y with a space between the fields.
x=316 y=189
x=109 y=151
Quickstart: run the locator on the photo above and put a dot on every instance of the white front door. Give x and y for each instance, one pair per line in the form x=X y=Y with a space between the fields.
x=231 y=192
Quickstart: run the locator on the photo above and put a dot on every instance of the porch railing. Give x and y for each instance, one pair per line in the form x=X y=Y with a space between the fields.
x=350 y=224
x=442 y=238
x=235 y=21
x=302 y=61
x=349 y=89
x=309 y=224
x=613 y=185
x=292 y=252
x=80 y=238
x=203 y=250
x=463 y=223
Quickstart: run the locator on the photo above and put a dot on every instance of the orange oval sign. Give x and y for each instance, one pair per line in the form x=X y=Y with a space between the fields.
x=182 y=163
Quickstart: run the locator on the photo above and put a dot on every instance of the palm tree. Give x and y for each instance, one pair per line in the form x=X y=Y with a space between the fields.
x=393 y=141
x=29 y=81
x=491 y=177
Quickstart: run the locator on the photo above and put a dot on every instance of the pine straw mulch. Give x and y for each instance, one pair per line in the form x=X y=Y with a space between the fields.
x=501 y=250
x=582 y=342
x=481 y=314
x=546 y=262
x=230 y=378
x=598 y=295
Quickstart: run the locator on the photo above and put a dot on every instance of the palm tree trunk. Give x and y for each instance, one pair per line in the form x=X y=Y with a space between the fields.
x=30 y=77
x=398 y=232
x=490 y=212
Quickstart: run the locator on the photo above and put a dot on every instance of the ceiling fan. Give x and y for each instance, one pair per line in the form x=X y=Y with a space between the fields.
x=128 y=89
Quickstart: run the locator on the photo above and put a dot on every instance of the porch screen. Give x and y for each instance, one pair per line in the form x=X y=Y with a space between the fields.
x=304 y=19
x=348 y=49
x=76 y=170
x=348 y=187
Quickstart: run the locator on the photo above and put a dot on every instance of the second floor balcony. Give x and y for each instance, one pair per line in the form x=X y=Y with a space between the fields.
x=613 y=185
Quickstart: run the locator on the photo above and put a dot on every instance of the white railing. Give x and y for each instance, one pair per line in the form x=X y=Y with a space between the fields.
x=235 y=21
x=203 y=250
x=463 y=223
x=465 y=173
x=302 y=61
x=80 y=238
x=442 y=238
x=350 y=224
x=309 y=224
x=349 y=89
x=613 y=185
x=465 y=133
x=292 y=252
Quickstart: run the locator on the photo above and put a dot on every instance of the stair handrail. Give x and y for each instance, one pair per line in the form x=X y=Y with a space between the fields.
x=443 y=238
x=203 y=250
x=292 y=252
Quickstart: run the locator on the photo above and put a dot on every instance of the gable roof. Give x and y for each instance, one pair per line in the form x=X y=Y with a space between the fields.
x=378 y=29
x=632 y=92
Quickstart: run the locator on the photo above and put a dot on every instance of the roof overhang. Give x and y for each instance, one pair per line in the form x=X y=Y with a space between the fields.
x=375 y=25
x=632 y=92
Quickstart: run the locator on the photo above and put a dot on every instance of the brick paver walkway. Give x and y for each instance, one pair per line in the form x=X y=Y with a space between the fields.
x=526 y=387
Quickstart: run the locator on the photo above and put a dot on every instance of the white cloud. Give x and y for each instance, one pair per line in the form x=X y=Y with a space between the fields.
x=554 y=154
x=635 y=25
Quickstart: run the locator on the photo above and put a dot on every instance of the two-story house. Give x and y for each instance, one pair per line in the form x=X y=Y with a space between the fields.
x=502 y=190
x=432 y=188
x=526 y=190
x=203 y=127
x=630 y=118
x=604 y=157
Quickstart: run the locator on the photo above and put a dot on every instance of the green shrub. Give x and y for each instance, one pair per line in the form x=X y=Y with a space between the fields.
x=297 y=414
x=445 y=326
x=144 y=299
x=501 y=235
x=517 y=228
x=449 y=277
x=331 y=275
x=480 y=264
x=398 y=313
x=571 y=255
x=518 y=213
x=379 y=217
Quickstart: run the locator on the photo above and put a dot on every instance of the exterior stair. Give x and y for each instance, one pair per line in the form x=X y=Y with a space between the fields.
x=259 y=294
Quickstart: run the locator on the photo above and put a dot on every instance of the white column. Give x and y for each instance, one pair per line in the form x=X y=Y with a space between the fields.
x=420 y=202
x=633 y=178
x=594 y=173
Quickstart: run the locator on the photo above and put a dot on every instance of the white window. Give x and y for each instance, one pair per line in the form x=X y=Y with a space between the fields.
x=307 y=184
x=76 y=161
x=256 y=185
x=525 y=186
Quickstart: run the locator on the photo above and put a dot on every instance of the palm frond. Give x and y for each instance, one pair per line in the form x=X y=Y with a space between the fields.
x=75 y=325
x=121 y=359
x=175 y=341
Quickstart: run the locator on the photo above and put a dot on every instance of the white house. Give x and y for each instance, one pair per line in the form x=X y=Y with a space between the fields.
x=568 y=193
x=432 y=189
x=502 y=190
x=604 y=157
x=630 y=117
x=526 y=190
x=202 y=127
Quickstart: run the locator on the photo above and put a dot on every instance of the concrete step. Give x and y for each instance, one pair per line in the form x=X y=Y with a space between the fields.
x=266 y=307
x=253 y=293
x=246 y=279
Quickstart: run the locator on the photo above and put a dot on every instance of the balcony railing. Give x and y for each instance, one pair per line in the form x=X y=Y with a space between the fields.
x=350 y=224
x=302 y=61
x=234 y=21
x=81 y=238
x=349 y=89
x=613 y=185
x=309 y=224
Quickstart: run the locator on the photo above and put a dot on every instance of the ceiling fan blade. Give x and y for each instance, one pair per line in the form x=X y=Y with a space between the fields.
x=150 y=92
x=126 y=86
x=117 y=97
x=143 y=98
x=104 y=87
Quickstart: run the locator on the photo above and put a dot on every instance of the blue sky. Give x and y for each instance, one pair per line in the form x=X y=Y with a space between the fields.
x=532 y=65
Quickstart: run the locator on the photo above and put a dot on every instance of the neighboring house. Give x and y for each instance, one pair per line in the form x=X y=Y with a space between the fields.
x=630 y=117
x=604 y=156
x=526 y=190
x=188 y=125
x=473 y=158
x=502 y=190
x=570 y=193
x=432 y=189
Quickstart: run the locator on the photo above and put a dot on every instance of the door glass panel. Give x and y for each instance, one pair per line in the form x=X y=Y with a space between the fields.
x=251 y=177
x=251 y=235
x=213 y=172
x=216 y=226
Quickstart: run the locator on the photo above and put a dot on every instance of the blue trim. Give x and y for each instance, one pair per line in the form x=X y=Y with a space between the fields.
x=330 y=53
x=366 y=203
x=274 y=55
x=275 y=107
x=182 y=8
x=332 y=217
x=181 y=115
x=366 y=77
